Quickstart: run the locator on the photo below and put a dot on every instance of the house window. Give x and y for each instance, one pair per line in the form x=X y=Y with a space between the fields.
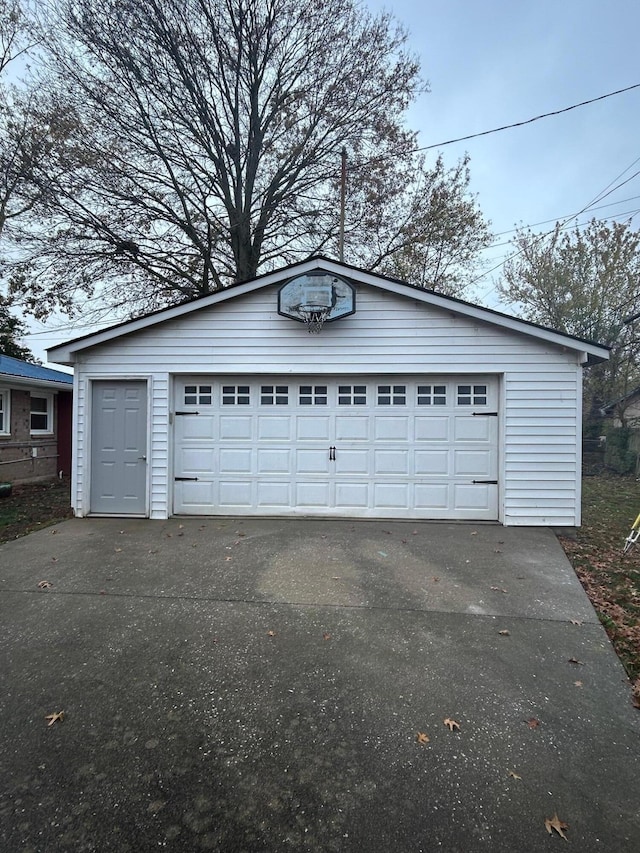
x=41 y=414
x=392 y=395
x=472 y=395
x=313 y=395
x=197 y=395
x=235 y=395
x=274 y=395
x=5 y=415
x=432 y=395
x=352 y=395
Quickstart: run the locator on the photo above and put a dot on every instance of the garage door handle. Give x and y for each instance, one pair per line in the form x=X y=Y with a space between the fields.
x=332 y=453
x=485 y=482
x=143 y=458
x=484 y=414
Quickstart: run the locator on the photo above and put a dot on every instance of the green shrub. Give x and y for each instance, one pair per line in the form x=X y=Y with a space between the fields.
x=618 y=457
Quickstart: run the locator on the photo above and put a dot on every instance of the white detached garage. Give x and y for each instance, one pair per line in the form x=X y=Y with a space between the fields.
x=403 y=404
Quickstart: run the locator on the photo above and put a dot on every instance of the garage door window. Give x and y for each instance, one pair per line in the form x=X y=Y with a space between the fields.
x=432 y=395
x=274 y=395
x=313 y=395
x=197 y=395
x=472 y=395
x=392 y=395
x=352 y=395
x=235 y=395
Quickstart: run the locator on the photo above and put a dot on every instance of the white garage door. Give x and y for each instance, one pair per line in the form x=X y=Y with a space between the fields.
x=377 y=447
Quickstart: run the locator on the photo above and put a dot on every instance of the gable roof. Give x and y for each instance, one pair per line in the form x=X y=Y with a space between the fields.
x=591 y=352
x=21 y=372
x=626 y=398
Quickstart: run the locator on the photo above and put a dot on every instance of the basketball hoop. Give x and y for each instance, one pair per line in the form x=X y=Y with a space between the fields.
x=313 y=316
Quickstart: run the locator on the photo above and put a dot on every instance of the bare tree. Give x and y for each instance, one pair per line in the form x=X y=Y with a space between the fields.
x=585 y=282
x=202 y=140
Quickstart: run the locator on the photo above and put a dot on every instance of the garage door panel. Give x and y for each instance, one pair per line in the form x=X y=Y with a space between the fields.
x=391 y=462
x=195 y=460
x=353 y=428
x=351 y=461
x=196 y=496
x=276 y=495
x=312 y=461
x=236 y=460
x=313 y=428
x=473 y=463
x=274 y=428
x=472 y=497
x=235 y=493
x=391 y=495
x=473 y=428
x=352 y=495
x=432 y=462
x=431 y=496
x=236 y=427
x=274 y=460
x=391 y=428
x=313 y=494
x=432 y=429
x=196 y=427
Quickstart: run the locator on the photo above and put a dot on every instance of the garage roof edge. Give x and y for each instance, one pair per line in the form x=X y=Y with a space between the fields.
x=65 y=353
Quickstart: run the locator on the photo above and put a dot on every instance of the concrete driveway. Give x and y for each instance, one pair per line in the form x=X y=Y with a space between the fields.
x=259 y=685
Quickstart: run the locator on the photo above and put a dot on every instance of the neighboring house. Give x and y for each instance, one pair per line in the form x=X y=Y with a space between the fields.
x=407 y=404
x=35 y=421
x=625 y=411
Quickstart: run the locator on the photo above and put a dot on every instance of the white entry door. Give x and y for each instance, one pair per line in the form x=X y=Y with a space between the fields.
x=406 y=447
x=119 y=448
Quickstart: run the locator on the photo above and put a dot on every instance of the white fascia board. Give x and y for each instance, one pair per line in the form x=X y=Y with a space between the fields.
x=66 y=353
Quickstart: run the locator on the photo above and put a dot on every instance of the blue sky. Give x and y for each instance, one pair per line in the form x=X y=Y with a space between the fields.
x=494 y=63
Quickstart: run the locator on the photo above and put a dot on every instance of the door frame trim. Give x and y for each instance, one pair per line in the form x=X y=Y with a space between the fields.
x=91 y=379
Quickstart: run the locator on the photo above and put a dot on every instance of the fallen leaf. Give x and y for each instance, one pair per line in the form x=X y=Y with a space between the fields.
x=474 y=532
x=271 y=633
x=326 y=636
x=181 y=527
x=118 y=550
x=533 y=723
x=45 y=585
x=53 y=718
x=557 y=824
x=435 y=580
x=497 y=550
x=414 y=533
x=498 y=589
x=53 y=532
x=228 y=559
x=422 y=738
x=452 y=724
x=576 y=661
x=336 y=578
x=504 y=633
x=575 y=622
x=54 y=559
x=578 y=683
x=514 y=775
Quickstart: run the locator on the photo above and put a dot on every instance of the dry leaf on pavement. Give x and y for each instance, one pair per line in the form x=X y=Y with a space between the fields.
x=45 y=585
x=533 y=723
x=422 y=738
x=557 y=824
x=504 y=633
x=452 y=724
x=514 y=775
x=271 y=633
x=53 y=718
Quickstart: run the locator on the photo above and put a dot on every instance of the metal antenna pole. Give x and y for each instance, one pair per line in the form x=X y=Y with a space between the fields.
x=343 y=201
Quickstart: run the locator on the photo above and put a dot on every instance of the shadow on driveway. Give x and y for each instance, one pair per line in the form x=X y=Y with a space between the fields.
x=259 y=685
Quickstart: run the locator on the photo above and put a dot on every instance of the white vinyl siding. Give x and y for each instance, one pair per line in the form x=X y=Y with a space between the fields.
x=390 y=334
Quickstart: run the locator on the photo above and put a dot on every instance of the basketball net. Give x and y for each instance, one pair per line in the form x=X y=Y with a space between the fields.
x=314 y=317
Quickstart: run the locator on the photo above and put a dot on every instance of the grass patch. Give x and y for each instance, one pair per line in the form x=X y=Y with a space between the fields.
x=33 y=506
x=611 y=580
